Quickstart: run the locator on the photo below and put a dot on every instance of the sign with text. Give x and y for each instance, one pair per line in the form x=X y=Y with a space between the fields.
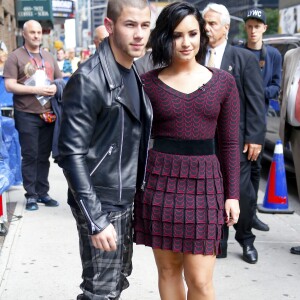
x=39 y=10
x=63 y=9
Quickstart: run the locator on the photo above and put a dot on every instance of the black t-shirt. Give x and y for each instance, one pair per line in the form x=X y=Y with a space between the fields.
x=130 y=82
x=256 y=52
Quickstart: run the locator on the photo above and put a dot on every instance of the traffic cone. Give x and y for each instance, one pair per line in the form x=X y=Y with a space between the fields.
x=3 y=229
x=1 y=207
x=276 y=196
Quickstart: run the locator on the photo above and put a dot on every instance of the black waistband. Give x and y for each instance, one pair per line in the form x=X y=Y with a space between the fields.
x=184 y=147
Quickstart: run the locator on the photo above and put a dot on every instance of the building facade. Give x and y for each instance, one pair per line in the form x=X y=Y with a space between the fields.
x=8 y=30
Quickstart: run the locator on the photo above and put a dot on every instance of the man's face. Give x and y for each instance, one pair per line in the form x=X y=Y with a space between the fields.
x=71 y=54
x=60 y=55
x=216 y=31
x=32 y=35
x=129 y=34
x=255 y=30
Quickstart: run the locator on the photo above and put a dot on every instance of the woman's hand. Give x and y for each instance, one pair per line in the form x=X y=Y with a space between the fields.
x=232 y=209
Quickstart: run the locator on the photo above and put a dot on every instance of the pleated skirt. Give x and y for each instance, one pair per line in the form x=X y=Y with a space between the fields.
x=182 y=206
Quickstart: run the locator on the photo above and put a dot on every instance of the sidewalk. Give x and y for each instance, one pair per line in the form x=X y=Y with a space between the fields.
x=40 y=257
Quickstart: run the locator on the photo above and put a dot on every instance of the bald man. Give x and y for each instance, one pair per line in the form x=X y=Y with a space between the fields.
x=28 y=72
x=100 y=34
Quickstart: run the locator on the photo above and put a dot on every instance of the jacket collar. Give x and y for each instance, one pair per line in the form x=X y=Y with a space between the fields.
x=114 y=77
x=110 y=67
x=228 y=59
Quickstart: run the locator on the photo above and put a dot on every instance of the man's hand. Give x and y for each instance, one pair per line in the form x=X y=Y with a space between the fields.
x=12 y=86
x=105 y=240
x=253 y=151
x=46 y=90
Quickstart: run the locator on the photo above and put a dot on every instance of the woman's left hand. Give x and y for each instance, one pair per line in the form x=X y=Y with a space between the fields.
x=232 y=209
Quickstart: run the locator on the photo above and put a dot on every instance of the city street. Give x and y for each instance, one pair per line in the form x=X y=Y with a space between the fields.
x=43 y=40
x=40 y=257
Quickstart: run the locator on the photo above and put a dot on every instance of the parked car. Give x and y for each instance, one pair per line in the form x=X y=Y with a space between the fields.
x=283 y=42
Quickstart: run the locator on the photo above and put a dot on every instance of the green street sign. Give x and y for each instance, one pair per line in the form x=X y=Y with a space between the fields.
x=39 y=10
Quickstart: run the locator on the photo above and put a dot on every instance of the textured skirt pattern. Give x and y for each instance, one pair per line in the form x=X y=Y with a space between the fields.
x=182 y=206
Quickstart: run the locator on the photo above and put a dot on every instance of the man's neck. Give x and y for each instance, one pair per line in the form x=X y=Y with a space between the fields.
x=121 y=58
x=254 y=46
x=32 y=49
x=217 y=45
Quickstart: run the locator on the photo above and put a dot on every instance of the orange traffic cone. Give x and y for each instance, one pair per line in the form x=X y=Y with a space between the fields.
x=276 y=196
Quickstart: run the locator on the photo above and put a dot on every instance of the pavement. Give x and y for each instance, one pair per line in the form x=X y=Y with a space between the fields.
x=39 y=259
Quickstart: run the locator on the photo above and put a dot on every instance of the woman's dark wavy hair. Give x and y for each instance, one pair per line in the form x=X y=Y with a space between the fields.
x=161 y=38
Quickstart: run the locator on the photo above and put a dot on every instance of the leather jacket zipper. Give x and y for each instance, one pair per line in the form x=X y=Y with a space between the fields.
x=151 y=119
x=108 y=152
x=93 y=226
x=120 y=157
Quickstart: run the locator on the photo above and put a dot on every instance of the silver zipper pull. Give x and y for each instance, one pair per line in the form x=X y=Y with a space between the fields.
x=110 y=149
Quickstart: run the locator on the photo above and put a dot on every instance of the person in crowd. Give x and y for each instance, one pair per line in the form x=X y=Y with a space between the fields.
x=289 y=99
x=66 y=56
x=189 y=193
x=144 y=63
x=63 y=63
x=270 y=63
x=3 y=58
x=100 y=33
x=5 y=97
x=84 y=55
x=103 y=143
x=243 y=65
x=74 y=60
x=29 y=72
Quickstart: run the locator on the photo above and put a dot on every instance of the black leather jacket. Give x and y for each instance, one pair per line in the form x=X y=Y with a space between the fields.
x=103 y=143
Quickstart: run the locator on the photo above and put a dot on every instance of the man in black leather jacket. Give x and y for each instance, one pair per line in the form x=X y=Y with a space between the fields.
x=103 y=143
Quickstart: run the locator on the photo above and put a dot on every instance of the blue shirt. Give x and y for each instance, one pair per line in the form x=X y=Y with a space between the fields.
x=271 y=71
x=67 y=68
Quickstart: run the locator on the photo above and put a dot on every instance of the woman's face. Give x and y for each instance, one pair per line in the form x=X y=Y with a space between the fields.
x=186 y=39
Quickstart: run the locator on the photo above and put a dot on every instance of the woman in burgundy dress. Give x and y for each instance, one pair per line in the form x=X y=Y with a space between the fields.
x=191 y=187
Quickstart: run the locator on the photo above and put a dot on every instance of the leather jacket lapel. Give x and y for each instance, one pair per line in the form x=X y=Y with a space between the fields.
x=123 y=97
x=114 y=78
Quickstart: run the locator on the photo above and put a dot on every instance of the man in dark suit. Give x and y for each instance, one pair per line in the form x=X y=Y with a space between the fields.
x=270 y=63
x=243 y=65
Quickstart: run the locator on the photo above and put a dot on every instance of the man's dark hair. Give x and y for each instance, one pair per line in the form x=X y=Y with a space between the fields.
x=114 y=7
x=161 y=38
x=61 y=49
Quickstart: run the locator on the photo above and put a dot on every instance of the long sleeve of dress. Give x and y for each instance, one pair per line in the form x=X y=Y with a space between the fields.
x=228 y=140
